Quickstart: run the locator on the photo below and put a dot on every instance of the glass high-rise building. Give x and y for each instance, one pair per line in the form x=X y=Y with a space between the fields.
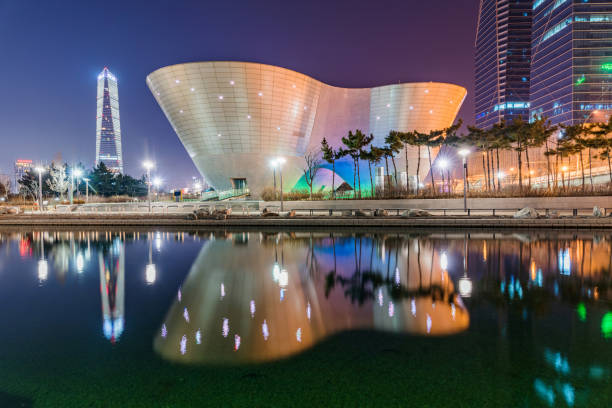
x=108 y=130
x=571 y=70
x=503 y=54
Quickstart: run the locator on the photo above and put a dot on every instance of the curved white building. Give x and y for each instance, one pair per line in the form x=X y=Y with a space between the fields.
x=234 y=118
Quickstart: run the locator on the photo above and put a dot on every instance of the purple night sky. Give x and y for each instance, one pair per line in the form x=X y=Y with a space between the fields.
x=52 y=52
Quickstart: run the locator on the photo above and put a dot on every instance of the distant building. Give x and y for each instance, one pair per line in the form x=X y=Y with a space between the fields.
x=22 y=166
x=571 y=71
x=503 y=52
x=108 y=129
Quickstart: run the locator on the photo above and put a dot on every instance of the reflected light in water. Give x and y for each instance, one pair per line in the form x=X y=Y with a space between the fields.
x=465 y=286
x=43 y=270
x=283 y=278
x=252 y=308
x=186 y=315
x=444 y=261
x=80 y=263
x=198 y=337
x=150 y=274
x=183 y=344
x=225 y=327
x=264 y=330
x=164 y=331
x=236 y=342
x=298 y=335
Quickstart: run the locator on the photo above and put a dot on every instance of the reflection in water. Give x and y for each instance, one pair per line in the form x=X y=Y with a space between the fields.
x=111 y=259
x=326 y=286
x=537 y=301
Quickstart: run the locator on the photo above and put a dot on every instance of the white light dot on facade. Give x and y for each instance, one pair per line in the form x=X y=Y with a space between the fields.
x=388 y=105
x=192 y=89
x=564 y=168
x=430 y=111
x=177 y=81
x=450 y=102
x=181 y=111
x=411 y=107
x=305 y=107
x=293 y=86
x=443 y=164
x=464 y=152
x=378 y=118
x=248 y=116
x=278 y=128
x=501 y=174
x=260 y=93
x=427 y=91
x=221 y=97
x=218 y=134
x=232 y=82
x=157 y=93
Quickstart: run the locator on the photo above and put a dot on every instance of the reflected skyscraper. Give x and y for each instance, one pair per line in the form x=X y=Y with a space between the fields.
x=112 y=288
x=108 y=129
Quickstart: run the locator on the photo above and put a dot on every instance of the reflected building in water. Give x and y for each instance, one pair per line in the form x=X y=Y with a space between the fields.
x=111 y=259
x=263 y=297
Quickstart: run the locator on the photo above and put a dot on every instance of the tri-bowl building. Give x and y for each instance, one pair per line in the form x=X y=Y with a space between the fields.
x=234 y=118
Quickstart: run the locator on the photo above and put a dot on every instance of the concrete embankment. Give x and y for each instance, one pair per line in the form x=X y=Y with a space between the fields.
x=303 y=221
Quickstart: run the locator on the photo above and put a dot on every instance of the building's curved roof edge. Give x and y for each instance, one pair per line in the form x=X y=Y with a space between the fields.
x=300 y=73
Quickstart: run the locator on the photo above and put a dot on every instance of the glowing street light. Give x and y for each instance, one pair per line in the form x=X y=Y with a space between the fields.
x=40 y=170
x=148 y=165
x=464 y=153
x=78 y=173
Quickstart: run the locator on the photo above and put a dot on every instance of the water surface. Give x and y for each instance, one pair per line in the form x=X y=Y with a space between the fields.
x=277 y=318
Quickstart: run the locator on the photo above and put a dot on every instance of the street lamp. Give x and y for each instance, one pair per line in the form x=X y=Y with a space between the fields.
x=78 y=173
x=40 y=170
x=464 y=153
x=273 y=164
x=86 y=180
x=443 y=164
x=157 y=182
x=148 y=165
x=279 y=163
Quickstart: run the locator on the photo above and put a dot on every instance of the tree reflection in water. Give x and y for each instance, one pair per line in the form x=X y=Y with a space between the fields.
x=278 y=303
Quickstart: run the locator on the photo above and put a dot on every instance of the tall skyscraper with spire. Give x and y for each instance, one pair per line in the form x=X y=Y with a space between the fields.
x=108 y=129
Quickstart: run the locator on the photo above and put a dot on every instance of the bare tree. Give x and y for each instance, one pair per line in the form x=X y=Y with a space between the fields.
x=58 y=181
x=313 y=164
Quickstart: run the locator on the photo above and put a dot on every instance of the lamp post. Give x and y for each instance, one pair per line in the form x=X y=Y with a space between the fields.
x=40 y=170
x=86 y=180
x=443 y=164
x=464 y=154
x=78 y=173
x=157 y=182
x=279 y=162
x=148 y=165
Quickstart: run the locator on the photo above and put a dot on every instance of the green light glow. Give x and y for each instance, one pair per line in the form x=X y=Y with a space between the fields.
x=581 y=312
x=607 y=66
x=580 y=80
x=606 y=325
